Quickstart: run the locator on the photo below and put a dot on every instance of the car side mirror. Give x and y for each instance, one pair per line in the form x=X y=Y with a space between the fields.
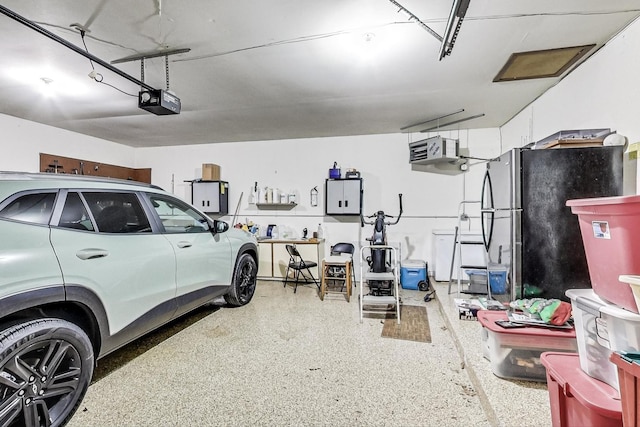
x=219 y=226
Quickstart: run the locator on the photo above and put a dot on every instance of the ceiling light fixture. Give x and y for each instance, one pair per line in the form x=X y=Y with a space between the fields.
x=30 y=24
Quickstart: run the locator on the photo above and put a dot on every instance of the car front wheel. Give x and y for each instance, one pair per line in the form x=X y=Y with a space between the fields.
x=45 y=369
x=244 y=281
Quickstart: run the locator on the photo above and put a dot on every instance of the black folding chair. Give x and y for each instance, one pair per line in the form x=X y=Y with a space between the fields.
x=299 y=265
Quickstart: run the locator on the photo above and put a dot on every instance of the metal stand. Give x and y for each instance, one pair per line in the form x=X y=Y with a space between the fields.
x=459 y=242
x=391 y=276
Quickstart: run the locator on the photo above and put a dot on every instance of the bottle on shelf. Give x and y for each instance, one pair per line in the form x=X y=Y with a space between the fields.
x=320 y=232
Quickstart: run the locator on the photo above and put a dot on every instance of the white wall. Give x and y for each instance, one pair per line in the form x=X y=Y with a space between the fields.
x=23 y=141
x=603 y=92
x=430 y=200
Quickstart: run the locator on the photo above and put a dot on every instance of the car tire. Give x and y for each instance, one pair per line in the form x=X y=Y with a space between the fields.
x=243 y=284
x=45 y=369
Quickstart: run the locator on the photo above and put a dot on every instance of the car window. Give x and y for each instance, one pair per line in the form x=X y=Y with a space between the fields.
x=33 y=207
x=75 y=215
x=117 y=212
x=178 y=217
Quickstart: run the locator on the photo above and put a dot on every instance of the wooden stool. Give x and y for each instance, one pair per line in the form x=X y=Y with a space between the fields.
x=343 y=266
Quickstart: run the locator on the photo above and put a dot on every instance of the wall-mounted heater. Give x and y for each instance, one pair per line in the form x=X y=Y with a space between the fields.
x=434 y=150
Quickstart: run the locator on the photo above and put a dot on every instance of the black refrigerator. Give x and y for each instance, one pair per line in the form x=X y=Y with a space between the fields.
x=526 y=224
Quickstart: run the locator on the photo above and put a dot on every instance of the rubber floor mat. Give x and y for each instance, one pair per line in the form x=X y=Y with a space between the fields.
x=414 y=324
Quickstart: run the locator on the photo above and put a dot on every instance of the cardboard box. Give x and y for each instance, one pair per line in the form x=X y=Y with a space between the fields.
x=575 y=143
x=210 y=172
x=630 y=175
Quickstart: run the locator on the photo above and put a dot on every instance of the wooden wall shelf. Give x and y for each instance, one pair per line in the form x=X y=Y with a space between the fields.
x=57 y=164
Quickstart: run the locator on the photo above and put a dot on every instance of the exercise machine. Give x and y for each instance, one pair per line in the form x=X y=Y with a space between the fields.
x=381 y=277
x=378 y=258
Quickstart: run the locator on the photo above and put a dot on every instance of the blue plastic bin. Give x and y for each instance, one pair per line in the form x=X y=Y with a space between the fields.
x=498 y=281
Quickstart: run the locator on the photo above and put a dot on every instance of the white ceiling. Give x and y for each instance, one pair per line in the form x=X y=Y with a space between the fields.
x=278 y=69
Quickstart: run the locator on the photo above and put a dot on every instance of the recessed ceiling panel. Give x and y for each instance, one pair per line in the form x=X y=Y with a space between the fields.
x=538 y=64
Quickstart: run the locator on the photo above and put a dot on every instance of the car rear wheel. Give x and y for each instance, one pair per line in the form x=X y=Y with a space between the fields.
x=244 y=281
x=45 y=369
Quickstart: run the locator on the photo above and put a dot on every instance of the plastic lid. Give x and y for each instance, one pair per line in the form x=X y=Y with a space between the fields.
x=488 y=317
x=593 y=394
x=413 y=263
x=620 y=313
x=593 y=201
x=630 y=279
x=586 y=299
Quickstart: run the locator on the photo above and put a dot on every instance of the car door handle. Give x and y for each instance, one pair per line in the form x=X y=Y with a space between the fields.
x=184 y=244
x=91 y=253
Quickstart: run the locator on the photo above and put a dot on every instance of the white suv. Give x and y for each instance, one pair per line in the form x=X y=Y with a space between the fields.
x=88 y=265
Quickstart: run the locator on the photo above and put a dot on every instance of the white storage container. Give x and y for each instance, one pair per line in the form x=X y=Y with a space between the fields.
x=594 y=347
x=443 y=242
x=515 y=353
x=623 y=327
x=601 y=328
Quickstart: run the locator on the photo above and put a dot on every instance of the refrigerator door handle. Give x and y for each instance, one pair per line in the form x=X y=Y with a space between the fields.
x=487 y=189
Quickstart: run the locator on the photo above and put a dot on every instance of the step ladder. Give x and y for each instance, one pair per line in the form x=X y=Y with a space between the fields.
x=391 y=276
x=460 y=242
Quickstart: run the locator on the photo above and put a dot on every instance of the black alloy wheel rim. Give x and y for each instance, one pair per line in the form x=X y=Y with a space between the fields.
x=39 y=384
x=247 y=279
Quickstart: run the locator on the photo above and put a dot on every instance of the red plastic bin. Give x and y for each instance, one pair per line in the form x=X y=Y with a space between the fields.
x=575 y=398
x=610 y=227
x=628 y=373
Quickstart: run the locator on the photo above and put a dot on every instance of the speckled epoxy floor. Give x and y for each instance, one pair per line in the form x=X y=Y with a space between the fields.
x=292 y=360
